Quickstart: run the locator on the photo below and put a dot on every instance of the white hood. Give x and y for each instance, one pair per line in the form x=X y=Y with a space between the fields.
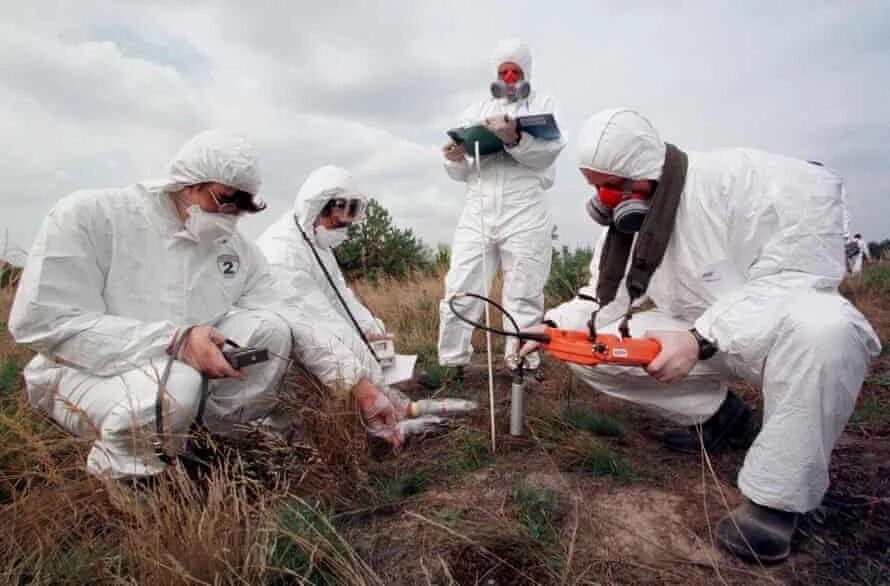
x=514 y=51
x=214 y=156
x=322 y=184
x=621 y=142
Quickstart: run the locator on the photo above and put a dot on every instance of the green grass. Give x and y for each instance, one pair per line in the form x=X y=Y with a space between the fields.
x=869 y=411
x=435 y=376
x=536 y=510
x=448 y=515
x=305 y=541
x=401 y=486
x=882 y=379
x=600 y=460
x=594 y=423
x=472 y=453
x=877 y=278
x=10 y=374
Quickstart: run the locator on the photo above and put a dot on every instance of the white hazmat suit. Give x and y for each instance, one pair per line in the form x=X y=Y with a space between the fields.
x=291 y=257
x=754 y=264
x=111 y=278
x=505 y=212
x=857 y=259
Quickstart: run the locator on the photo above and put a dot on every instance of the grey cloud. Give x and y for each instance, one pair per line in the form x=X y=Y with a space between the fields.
x=802 y=78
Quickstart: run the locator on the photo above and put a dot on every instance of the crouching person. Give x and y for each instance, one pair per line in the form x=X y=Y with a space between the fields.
x=744 y=250
x=125 y=284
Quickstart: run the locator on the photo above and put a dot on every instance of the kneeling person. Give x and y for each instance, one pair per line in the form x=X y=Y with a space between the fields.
x=119 y=280
x=742 y=252
x=301 y=243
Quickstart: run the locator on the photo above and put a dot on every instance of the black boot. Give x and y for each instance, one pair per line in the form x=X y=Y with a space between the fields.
x=754 y=532
x=728 y=422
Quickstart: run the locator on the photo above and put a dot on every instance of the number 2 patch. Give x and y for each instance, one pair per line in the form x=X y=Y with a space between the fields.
x=228 y=265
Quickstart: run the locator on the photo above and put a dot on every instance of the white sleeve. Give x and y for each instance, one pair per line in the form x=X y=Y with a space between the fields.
x=460 y=170
x=324 y=342
x=60 y=311
x=799 y=246
x=536 y=153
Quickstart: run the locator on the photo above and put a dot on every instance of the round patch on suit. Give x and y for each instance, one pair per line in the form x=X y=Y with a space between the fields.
x=228 y=265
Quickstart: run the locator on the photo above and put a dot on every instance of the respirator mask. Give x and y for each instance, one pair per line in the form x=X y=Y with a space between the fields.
x=623 y=208
x=518 y=90
x=330 y=238
x=202 y=226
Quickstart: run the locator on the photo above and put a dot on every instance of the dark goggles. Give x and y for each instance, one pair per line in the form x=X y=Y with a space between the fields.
x=349 y=208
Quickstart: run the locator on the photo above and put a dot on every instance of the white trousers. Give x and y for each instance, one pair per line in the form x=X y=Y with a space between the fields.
x=119 y=411
x=525 y=258
x=810 y=379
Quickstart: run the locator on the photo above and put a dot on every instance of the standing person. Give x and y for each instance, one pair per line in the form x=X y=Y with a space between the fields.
x=505 y=211
x=857 y=253
x=122 y=284
x=744 y=252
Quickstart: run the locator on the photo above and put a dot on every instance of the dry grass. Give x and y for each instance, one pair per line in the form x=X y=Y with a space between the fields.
x=411 y=309
x=573 y=502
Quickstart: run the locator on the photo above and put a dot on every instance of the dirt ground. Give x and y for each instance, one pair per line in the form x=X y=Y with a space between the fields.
x=652 y=525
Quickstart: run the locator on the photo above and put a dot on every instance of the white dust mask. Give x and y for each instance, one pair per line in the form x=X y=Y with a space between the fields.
x=330 y=238
x=202 y=226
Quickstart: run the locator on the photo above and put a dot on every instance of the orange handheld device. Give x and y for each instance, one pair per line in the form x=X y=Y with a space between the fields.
x=587 y=348
x=578 y=348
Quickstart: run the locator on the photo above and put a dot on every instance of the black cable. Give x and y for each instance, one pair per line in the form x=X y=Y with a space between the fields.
x=516 y=334
x=327 y=275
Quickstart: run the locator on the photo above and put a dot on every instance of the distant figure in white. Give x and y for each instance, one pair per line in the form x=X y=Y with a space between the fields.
x=857 y=253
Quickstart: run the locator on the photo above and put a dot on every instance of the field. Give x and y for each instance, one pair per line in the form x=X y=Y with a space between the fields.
x=587 y=496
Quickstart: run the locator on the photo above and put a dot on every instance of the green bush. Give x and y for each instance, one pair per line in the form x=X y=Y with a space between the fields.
x=569 y=271
x=375 y=248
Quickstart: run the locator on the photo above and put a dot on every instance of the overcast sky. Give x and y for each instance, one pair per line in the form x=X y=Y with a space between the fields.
x=102 y=94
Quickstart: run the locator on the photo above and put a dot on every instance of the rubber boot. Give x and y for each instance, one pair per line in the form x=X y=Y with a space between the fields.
x=757 y=533
x=727 y=423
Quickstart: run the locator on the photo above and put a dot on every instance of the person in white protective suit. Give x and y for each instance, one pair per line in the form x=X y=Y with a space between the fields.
x=122 y=281
x=505 y=212
x=327 y=204
x=857 y=252
x=745 y=281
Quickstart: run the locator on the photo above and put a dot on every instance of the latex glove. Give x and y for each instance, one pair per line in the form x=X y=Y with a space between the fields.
x=202 y=351
x=503 y=127
x=679 y=354
x=378 y=412
x=531 y=345
x=454 y=152
x=399 y=400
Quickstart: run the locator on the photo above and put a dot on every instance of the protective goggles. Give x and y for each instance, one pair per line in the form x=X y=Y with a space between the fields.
x=350 y=209
x=240 y=201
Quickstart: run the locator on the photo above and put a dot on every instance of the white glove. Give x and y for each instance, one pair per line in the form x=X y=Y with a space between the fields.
x=503 y=127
